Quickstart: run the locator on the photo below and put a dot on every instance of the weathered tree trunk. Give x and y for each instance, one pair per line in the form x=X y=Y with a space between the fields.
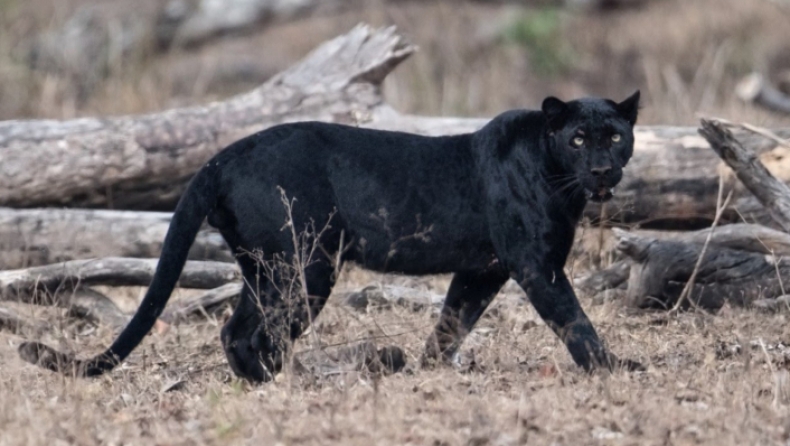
x=772 y=193
x=606 y=279
x=738 y=236
x=46 y=285
x=144 y=162
x=660 y=270
x=100 y=37
x=32 y=237
x=742 y=236
x=93 y=306
x=82 y=302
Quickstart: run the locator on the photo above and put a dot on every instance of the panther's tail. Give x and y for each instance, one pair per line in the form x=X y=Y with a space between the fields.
x=195 y=204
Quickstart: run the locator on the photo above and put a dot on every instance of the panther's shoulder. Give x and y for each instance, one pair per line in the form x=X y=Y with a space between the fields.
x=523 y=120
x=510 y=129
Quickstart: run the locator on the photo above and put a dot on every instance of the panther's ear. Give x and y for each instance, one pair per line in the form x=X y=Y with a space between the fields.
x=555 y=111
x=629 y=108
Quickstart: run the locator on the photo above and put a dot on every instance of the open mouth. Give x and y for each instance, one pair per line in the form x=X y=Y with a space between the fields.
x=600 y=195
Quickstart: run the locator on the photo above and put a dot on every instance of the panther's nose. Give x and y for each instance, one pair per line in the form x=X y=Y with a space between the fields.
x=600 y=171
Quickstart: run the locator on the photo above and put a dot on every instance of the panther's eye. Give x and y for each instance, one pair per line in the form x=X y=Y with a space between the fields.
x=616 y=137
x=578 y=141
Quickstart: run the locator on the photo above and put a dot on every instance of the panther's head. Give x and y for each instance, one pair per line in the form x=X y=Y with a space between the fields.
x=593 y=140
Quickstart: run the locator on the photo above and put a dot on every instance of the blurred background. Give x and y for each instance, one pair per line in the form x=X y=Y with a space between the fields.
x=70 y=58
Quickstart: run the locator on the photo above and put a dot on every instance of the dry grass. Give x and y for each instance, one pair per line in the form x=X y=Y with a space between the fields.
x=699 y=387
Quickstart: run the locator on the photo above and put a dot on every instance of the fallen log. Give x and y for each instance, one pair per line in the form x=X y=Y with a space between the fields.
x=46 y=285
x=661 y=268
x=82 y=303
x=99 y=39
x=144 y=162
x=742 y=236
x=88 y=304
x=201 y=305
x=32 y=237
x=609 y=278
x=66 y=285
x=738 y=236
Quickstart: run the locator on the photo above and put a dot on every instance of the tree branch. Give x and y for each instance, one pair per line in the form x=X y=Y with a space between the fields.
x=772 y=193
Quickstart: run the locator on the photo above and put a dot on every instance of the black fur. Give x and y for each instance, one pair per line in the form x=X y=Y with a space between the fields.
x=499 y=203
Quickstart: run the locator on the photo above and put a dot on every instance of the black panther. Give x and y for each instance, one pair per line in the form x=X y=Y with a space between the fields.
x=500 y=203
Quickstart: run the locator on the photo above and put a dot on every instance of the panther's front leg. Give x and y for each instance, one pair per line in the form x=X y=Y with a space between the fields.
x=469 y=294
x=552 y=296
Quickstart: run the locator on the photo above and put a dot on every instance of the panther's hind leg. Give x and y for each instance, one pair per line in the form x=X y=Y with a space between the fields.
x=237 y=332
x=468 y=296
x=287 y=314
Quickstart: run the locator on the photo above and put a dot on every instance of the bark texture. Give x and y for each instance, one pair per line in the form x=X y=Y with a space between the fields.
x=772 y=193
x=661 y=268
x=48 y=284
x=745 y=237
x=33 y=237
x=143 y=162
